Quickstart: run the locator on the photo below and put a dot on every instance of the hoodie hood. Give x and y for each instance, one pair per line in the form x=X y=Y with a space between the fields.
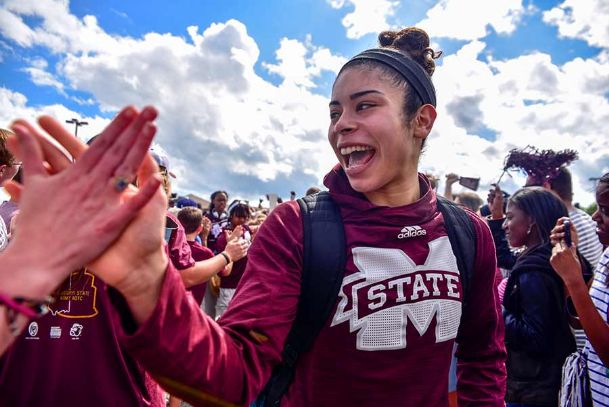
x=356 y=207
x=536 y=258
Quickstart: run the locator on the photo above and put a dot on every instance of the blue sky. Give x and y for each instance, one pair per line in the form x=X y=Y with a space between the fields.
x=243 y=98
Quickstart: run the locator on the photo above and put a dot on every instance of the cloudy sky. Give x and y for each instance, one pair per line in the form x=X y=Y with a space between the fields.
x=243 y=86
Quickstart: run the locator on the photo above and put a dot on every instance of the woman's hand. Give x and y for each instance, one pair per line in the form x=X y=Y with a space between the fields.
x=71 y=213
x=565 y=262
x=495 y=203
x=557 y=234
x=135 y=264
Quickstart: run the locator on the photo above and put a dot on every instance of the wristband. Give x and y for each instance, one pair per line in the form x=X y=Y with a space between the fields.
x=225 y=257
x=28 y=308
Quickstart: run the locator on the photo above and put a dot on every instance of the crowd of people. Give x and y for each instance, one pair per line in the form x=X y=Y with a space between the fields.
x=112 y=296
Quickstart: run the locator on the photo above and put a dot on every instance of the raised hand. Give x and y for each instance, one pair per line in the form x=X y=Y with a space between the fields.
x=71 y=213
x=557 y=234
x=566 y=264
x=451 y=178
x=135 y=264
x=237 y=249
x=206 y=223
x=235 y=234
x=495 y=202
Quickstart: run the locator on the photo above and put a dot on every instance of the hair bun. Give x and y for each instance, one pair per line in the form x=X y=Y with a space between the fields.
x=413 y=42
x=386 y=38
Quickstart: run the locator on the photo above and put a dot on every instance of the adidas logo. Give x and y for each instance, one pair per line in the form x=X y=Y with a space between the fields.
x=411 y=231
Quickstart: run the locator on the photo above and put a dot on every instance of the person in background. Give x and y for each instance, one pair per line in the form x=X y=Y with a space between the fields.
x=191 y=219
x=591 y=305
x=193 y=272
x=218 y=216
x=238 y=216
x=9 y=169
x=312 y=190
x=589 y=245
x=470 y=200
x=537 y=332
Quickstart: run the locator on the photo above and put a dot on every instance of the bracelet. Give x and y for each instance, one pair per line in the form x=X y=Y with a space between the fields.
x=226 y=257
x=28 y=308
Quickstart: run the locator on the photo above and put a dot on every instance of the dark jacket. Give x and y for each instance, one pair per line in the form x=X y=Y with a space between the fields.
x=537 y=334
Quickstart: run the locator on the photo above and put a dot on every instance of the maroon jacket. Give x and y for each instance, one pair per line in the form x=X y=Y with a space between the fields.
x=390 y=336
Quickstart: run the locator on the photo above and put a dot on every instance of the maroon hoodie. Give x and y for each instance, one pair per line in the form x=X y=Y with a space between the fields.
x=390 y=336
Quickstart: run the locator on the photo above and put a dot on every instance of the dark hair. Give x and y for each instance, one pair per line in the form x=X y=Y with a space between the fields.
x=213 y=196
x=562 y=184
x=543 y=206
x=6 y=158
x=190 y=218
x=239 y=208
x=413 y=42
x=604 y=179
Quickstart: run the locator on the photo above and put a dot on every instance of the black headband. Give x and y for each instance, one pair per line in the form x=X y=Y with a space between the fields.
x=414 y=73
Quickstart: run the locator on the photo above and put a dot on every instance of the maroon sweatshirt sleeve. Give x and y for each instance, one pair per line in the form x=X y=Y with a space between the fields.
x=201 y=360
x=481 y=354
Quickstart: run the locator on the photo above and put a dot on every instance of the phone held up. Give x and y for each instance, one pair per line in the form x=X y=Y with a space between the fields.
x=567 y=231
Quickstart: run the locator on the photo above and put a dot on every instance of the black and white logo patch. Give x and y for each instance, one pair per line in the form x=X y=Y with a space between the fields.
x=411 y=231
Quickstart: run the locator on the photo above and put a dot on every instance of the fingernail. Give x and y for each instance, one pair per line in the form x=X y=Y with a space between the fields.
x=129 y=113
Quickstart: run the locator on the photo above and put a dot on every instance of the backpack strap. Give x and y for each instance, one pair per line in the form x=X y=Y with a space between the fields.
x=324 y=257
x=462 y=236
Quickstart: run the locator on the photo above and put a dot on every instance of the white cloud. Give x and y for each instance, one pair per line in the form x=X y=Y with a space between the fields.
x=471 y=19
x=223 y=126
x=40 y=76
x=524 y=100
x=368 y=16
x=583 y=19
x=59 y=30
x=299 y=63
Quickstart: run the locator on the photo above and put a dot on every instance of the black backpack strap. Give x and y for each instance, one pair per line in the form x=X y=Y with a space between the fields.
x=462 y=236
x=324 y=256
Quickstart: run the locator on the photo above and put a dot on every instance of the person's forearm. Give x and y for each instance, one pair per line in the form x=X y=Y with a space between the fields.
x=235 y=361
x=203 y=270
x=596 y=329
